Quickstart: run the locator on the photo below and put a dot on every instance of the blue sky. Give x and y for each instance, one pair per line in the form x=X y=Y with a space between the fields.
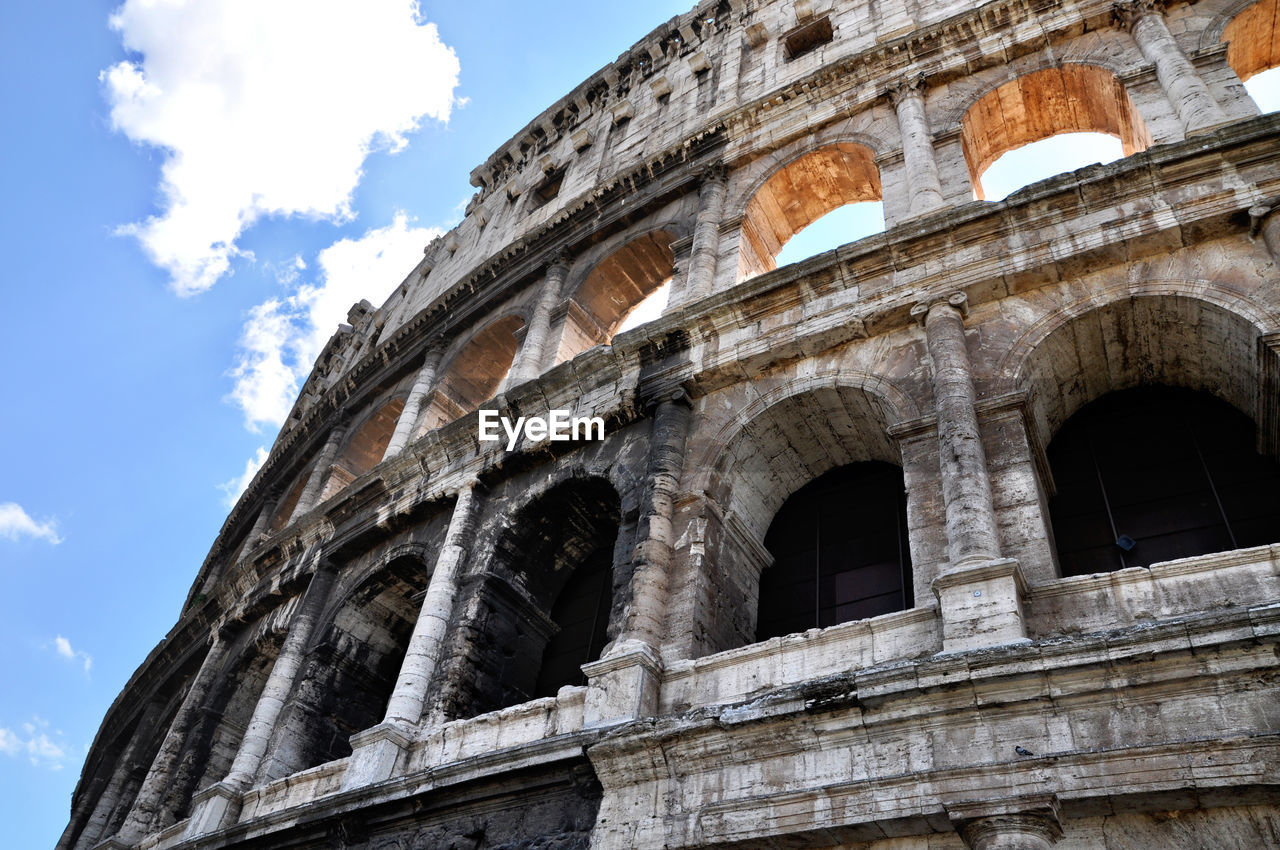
x=194 y=196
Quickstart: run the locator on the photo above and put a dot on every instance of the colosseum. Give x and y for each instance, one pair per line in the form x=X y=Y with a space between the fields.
x=960 y=534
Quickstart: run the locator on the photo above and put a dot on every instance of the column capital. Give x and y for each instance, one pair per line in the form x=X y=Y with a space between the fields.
x=714 y=173
x=957 y=300
x=1032 y=821
x=911 y=84
x=559 y=261
x=1128 y=12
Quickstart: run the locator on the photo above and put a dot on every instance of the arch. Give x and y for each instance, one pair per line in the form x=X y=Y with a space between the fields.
x=798 y=193
x=351 y=666
x=473 y=374
x=896 y=405
x=777 y=445
x=1069 y=98
x=612 y=288
x=1253 y=38
x=284 y=511
x=364 y=447
x=564 y=541
x=1151 y=474
x=223 y=717
x=1175 y=333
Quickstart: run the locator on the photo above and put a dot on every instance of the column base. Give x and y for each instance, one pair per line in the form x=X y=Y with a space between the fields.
x=215 y=808
x=375 y=754
x=981 y=605
x=622 y=686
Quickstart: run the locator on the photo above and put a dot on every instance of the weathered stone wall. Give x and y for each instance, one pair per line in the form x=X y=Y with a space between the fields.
x=356 y=661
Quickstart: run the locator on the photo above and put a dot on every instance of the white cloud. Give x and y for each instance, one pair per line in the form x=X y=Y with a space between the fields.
x=63 y=648
x=16 y=523
x=283 y=336
x=236 y=486
x=33 y=743
x=266 y=109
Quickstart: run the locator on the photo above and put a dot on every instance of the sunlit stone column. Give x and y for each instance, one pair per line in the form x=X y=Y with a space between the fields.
x=423 y=655
x=924 y=186
x=263 y=521
x=532 y=353
x=706 y=233
x=1182 y=85
x=966 y=487
x=145 y=816
x=980 y=594
x=375 y=752
x=320 y=472
x=218 y=806
x=413 y=404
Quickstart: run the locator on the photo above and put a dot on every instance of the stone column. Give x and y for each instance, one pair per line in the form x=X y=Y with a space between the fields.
x=146 y=817
x=320 y=472
x=263 y=521
x=706 y=233
x=966 y=488
x=924 y=186
x=1182 y=85
x=1264 y=220
x=533 y=352
x=1025 y=823
x=218 y=806
x=118 y=788
x=375 y=752
x=413 y=404
x=423 y=655
x=623 y=685
x=980 y=593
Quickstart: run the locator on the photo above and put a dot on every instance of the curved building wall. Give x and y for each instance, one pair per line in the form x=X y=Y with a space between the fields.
x=358 y=658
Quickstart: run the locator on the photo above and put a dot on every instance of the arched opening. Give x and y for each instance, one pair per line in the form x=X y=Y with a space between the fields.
x=222 y=720
x=843 y=224
x=364 y=448
x=1067 y=99
x=840 y=552
x=1253 y=51
x=351 y=670
x=1156 y=473
x=473 y=375
x=614 y=289
x=799 y=194
x=284 y=511
x=545 y=605
x=828 y=445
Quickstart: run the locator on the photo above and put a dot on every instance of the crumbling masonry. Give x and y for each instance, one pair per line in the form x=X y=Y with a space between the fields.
x=963 y=534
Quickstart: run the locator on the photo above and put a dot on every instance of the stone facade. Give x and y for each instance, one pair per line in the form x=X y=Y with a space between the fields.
x=361 y=660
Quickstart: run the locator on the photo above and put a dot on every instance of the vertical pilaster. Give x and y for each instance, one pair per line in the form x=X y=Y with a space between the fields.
x=623 y=685
x=320 y=472
x=422 y=386
x=263 y=520
x=966 y=488
x=376 y=751
x=118 y=789
x=532 y=354
x=924 y=186
x=706 y=233
x=217 y=807
x=146 y=817
x=980 y=593
x=1188 y=93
